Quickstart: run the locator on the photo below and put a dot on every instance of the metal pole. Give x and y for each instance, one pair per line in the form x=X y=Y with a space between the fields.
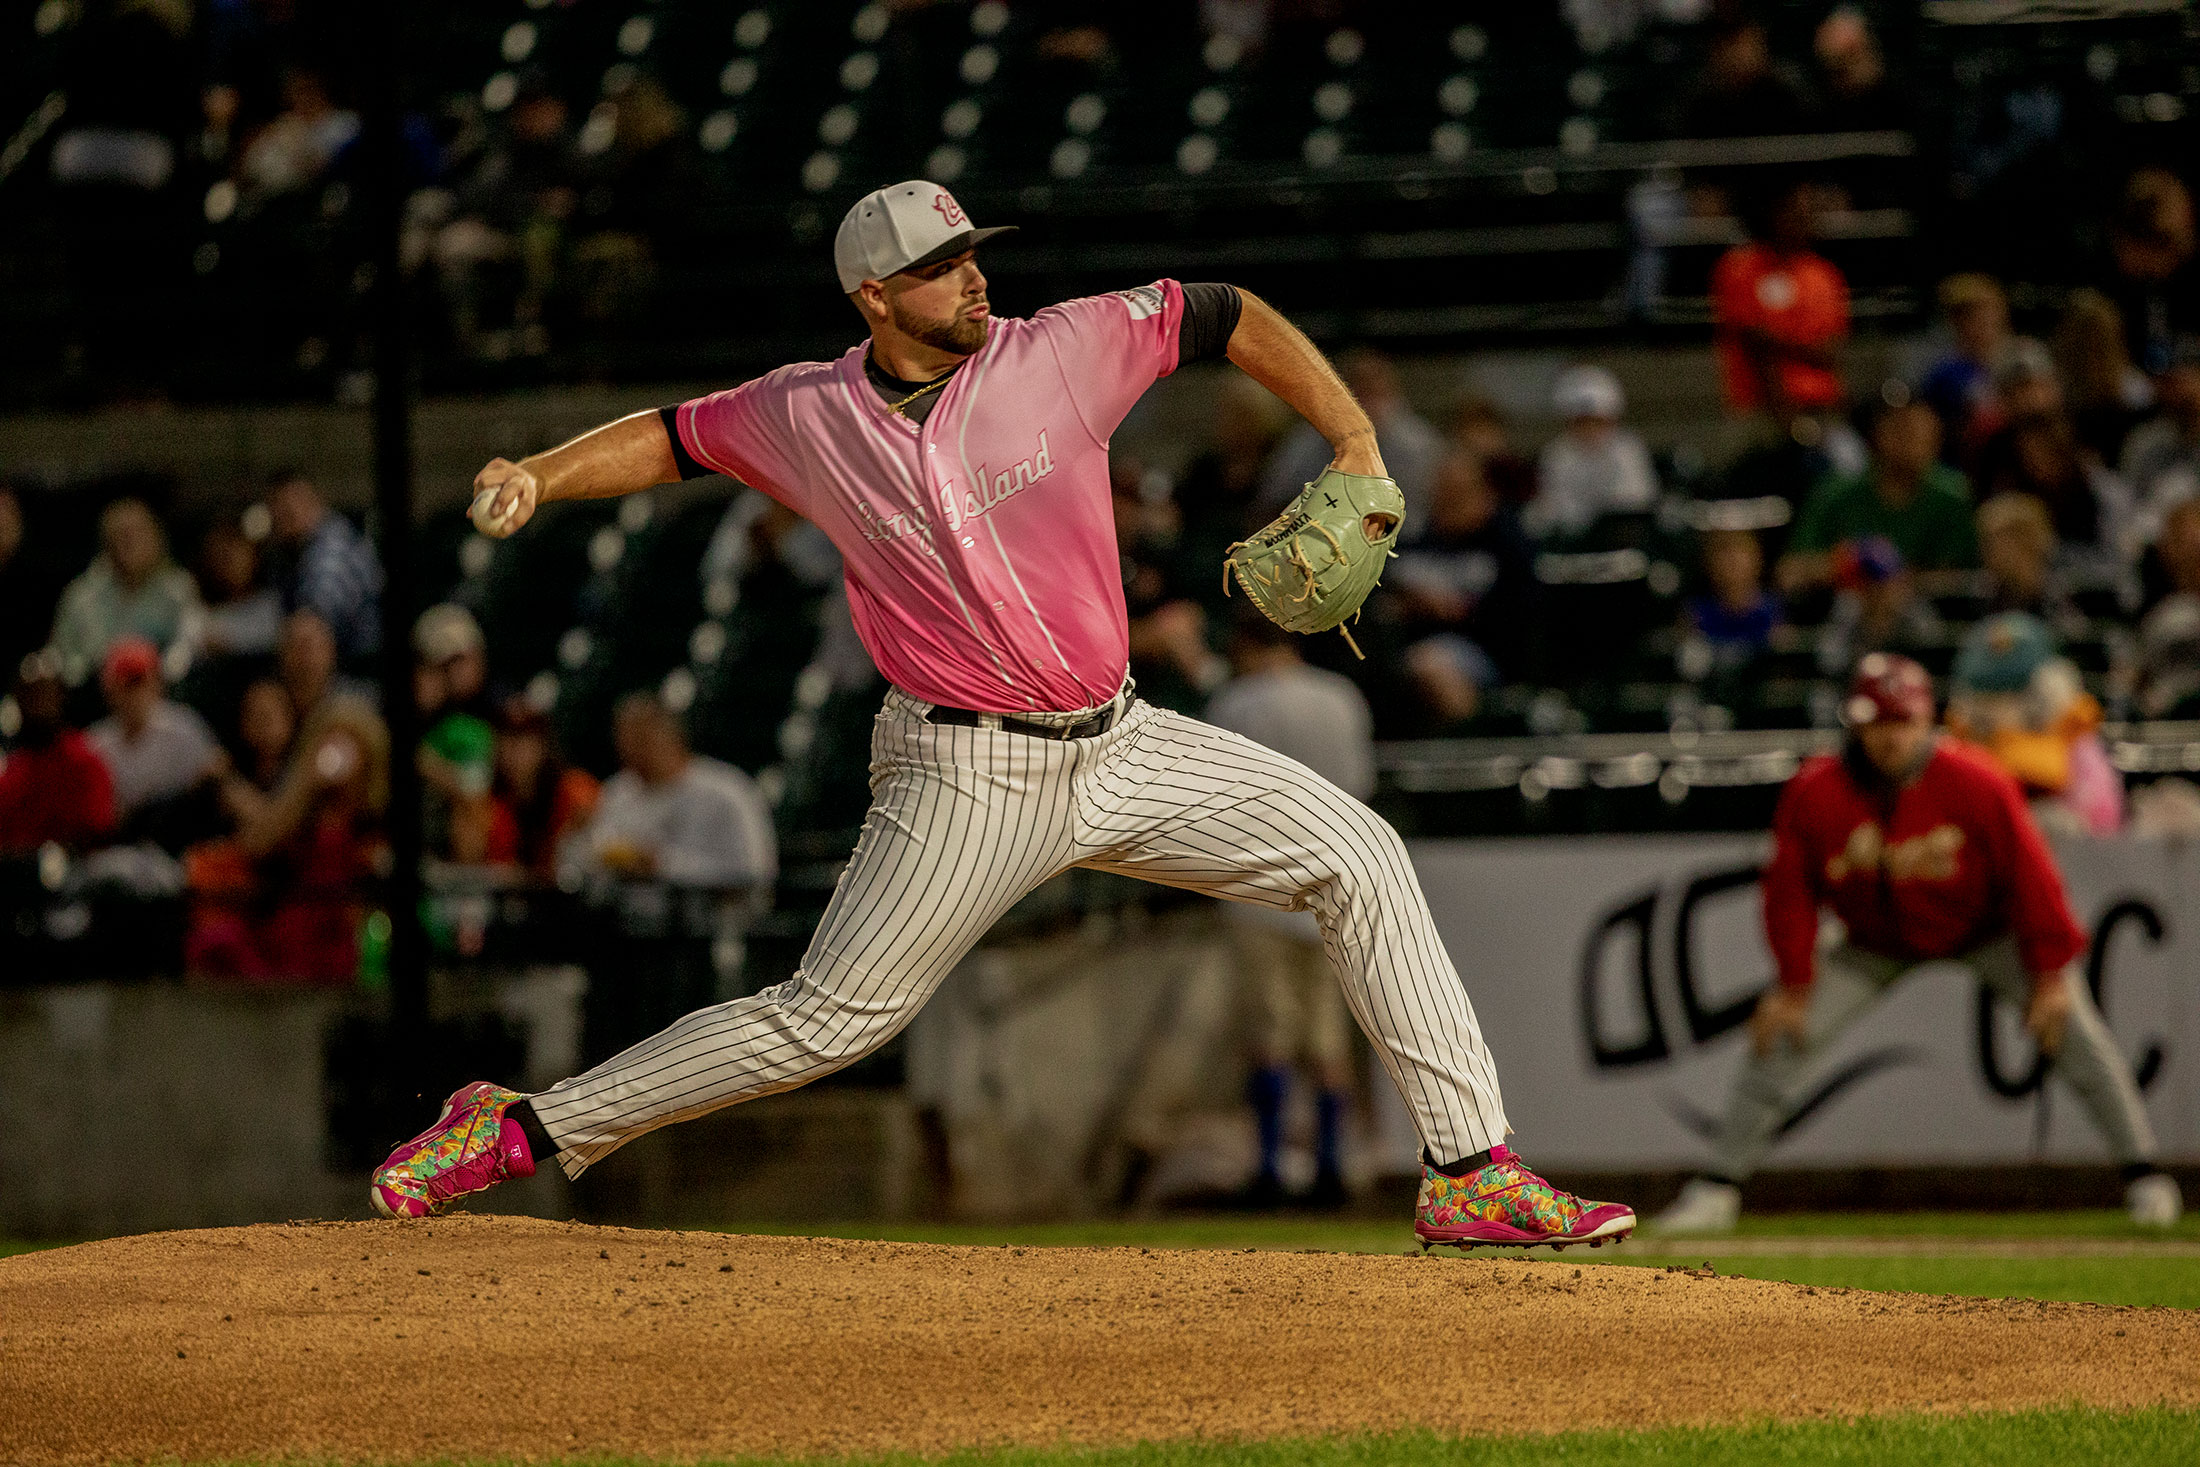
x=389 y=321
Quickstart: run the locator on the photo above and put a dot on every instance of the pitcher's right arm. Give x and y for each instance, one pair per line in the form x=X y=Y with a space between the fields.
x=632 y=453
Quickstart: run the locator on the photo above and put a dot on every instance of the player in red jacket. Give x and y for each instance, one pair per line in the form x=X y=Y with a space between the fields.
x=53 y=786
x=1925 y=851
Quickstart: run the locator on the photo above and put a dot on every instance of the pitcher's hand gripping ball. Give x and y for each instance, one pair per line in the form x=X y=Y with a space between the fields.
x=517 y=486
x=486 y=519
x=1315 y=563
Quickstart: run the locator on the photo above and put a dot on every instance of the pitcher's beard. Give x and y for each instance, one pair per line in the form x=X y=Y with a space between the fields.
x=962 y=336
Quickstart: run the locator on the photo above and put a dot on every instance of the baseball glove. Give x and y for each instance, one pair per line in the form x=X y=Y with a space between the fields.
x=1314 y=564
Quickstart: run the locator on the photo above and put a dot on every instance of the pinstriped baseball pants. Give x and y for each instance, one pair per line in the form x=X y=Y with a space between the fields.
x=965 y=821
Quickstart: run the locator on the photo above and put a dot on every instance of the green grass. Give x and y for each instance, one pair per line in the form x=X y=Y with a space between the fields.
x=2135 y=1280
x=1333 y=1234
x=2096 y=1223
x=9 y=1247
x=2174 y=1282
x=2021 y=1439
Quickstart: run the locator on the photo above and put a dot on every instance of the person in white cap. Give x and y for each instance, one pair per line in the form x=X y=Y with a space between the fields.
x=959 y=463
x=1597 y=467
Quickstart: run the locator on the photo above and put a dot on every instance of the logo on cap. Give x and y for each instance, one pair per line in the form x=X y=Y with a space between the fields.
x=949 y=209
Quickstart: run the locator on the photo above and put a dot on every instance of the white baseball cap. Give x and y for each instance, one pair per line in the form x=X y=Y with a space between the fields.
x=444 y=631
x=1588 y=392
x=900 y=227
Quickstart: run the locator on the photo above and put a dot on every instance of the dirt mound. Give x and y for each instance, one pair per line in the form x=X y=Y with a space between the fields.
x=480 y=1336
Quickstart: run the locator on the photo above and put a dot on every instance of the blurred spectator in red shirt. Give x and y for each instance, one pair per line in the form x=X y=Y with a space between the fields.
x=53 y=786
x=537 y=798
x=1782 y=313
x=284 y=899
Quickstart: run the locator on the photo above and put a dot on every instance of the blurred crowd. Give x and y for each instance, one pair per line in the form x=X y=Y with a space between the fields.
x=198 y=768
x=191 y=739
x=2020 y=511
x=197 y=772
x=575 y=182
x=211 y=160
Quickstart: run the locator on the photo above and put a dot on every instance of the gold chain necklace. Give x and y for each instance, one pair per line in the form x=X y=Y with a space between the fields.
x=896 y=407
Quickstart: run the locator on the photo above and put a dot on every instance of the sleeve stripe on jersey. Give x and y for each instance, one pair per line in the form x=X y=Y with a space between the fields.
x=685 y=425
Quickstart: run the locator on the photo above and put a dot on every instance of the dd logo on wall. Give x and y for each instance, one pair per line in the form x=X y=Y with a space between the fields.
x=1695 y=940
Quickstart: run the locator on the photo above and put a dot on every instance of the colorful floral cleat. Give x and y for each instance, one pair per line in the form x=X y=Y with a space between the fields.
x=1506 y=1205
x=469 y=1149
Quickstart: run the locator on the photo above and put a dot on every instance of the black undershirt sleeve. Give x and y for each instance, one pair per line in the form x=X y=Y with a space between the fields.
x=1210 y=314
x=689 y=468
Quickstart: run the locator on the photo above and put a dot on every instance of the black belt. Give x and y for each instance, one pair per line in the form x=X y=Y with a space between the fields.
x=1084 y=728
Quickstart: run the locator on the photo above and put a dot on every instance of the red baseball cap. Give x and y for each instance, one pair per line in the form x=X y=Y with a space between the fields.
x=132 y=659
x=1887 y=688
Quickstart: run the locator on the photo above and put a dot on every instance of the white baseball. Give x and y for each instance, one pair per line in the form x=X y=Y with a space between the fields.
x=486 y=520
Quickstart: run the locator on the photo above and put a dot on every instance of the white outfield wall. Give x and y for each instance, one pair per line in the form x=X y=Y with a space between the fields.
x=1611 y=974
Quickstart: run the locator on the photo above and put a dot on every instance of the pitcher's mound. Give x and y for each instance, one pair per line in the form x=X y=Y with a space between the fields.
x=505 y=1337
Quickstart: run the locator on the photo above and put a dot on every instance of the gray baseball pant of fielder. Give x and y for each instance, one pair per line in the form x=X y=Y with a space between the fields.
x=965 y=821
x=1851 y=981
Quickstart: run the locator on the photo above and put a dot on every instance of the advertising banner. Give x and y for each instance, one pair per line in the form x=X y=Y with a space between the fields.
x=1614 y=977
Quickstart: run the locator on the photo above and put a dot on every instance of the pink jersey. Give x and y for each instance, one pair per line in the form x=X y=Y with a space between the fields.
x=979 y=545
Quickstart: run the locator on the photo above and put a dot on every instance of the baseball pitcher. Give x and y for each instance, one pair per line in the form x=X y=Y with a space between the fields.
x=960 y=463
